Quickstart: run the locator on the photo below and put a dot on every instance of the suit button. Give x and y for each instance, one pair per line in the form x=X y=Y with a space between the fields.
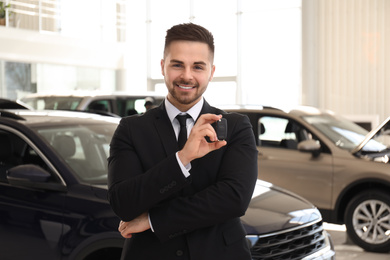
x=179 y=252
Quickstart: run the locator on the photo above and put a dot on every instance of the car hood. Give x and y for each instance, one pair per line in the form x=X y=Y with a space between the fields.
x=376 y=140
x=273 y=208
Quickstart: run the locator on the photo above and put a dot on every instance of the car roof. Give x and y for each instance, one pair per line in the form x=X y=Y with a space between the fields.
x=96 y=94
x=55 y=117
x=297 y=110
x=12 y=104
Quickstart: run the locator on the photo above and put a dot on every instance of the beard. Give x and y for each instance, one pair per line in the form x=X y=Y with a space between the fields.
x=183 y=97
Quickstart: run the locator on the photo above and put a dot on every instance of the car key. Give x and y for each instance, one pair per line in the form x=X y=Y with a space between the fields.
x=220 y=127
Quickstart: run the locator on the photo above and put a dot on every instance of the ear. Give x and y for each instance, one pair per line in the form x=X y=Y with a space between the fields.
x=212 y=73
x=162 y=67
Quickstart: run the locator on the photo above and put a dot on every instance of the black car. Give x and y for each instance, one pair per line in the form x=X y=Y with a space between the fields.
x=53 y=188
x=13 y=104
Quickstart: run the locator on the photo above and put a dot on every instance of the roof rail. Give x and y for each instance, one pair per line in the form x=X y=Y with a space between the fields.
x=8 y=114
x=269 y=107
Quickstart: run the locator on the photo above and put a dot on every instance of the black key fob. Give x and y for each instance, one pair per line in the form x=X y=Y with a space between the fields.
x=220 y=127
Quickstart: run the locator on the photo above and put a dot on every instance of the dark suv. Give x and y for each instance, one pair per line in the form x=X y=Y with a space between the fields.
x=53 y=196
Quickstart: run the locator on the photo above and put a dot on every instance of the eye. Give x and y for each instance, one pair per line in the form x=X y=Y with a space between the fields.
x=198 y=67
x=177 y=65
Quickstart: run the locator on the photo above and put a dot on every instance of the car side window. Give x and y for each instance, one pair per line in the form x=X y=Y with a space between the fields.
x=100 y=106
x=281 y=132
x=131 y=106
x=14 y=152
x=84 y=150
x=126 y=107
x=272 y=131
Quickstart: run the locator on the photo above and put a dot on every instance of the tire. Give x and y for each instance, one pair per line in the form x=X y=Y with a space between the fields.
x=367 y=218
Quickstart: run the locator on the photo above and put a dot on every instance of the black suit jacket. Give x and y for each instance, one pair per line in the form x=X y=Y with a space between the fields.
x=193 y=218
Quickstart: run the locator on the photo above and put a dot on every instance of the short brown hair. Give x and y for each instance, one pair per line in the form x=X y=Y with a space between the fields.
x=189 y=32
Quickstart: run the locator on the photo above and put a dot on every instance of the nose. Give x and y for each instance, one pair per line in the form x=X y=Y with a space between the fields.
x=187 y=74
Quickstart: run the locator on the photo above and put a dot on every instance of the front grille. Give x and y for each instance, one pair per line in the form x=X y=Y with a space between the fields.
x=290 y=244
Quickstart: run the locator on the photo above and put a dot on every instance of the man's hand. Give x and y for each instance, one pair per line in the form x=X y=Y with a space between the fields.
x=196 y=145
x=137 y=225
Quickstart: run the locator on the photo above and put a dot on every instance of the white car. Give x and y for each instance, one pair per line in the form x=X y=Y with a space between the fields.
x=114 y=104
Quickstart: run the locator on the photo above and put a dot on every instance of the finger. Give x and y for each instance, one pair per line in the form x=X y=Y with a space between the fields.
x=120 y=227
x=123 y=229
x=216 y=145
x=208 y=118
x=126 y=234
x=202 y=131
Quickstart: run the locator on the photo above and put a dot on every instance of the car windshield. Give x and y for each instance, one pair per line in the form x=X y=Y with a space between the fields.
x=342 y=132
x=84 y=148
x=52 y=102
x=378 y=147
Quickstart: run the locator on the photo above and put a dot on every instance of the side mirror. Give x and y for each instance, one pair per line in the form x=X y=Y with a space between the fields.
x=309 y=146
x=32 y=176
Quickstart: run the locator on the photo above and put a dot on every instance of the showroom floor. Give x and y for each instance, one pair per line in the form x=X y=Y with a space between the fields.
x=345 y=250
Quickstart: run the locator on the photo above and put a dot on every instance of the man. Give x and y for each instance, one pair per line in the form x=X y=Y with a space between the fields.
x=149 y=103
x=183 y=203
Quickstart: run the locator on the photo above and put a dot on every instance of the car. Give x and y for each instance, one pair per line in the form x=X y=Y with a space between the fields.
x=12 y=104
x=334 y=163
x=283 y=225
x=118 y=104
x=53 y=195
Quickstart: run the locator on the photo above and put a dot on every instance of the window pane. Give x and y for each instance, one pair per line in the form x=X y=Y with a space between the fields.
x=221 y=93
x=274 y=129
x=164 y=14
x=271 y=54
x=221 y=20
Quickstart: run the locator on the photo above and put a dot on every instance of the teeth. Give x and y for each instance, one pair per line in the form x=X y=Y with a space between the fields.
x=183 y=87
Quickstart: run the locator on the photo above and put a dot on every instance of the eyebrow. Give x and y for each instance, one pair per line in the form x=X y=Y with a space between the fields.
x=195 y=63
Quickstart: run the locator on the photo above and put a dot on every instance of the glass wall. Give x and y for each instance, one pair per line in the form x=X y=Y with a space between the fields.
x=258 y=47
x=102 y=20
x=257 y=58
x=15 y=78
x=271 y=52
x=20 y=79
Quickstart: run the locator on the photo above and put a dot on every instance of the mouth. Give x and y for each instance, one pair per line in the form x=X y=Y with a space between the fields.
x=185 y=87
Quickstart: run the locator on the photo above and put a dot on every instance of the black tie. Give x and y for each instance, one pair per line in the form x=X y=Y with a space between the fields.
x=181 y=140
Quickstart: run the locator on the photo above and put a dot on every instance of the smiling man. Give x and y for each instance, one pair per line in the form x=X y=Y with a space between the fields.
x=187 y=69
x=175 y=201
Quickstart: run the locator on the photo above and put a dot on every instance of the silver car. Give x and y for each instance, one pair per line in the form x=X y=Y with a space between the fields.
x=334 y=163
x=117 y=104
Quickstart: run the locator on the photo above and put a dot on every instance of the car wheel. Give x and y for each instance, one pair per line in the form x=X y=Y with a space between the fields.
x=367 y=218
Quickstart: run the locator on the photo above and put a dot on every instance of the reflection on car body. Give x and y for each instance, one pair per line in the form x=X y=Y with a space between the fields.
x=53 y=195
x=332 y=162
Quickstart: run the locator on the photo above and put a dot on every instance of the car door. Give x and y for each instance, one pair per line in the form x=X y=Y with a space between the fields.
x=101 y=105
x=30 y=218
x=281 y=163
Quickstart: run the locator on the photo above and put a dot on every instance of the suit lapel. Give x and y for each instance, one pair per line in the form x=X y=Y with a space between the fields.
x=205 y=109
x=165 y=130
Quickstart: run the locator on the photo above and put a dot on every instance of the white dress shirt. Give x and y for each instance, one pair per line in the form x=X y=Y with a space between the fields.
x=194 y=112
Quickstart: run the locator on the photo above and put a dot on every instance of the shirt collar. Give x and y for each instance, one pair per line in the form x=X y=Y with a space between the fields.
x=194 y=111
